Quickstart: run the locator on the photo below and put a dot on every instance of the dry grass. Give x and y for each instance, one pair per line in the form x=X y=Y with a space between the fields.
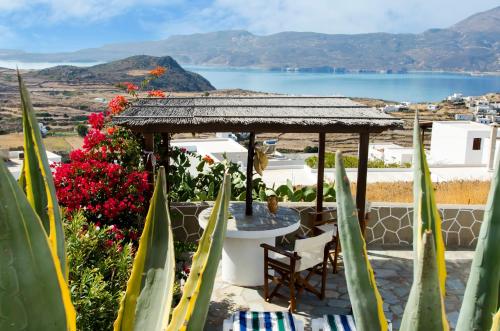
x=14 y=141
x=454 y=192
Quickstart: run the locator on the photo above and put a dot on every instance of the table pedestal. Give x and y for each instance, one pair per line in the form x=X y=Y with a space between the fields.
x=243 y=261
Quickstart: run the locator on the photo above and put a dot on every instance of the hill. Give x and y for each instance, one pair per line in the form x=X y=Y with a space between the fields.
x=470 y=45
x=131 y=69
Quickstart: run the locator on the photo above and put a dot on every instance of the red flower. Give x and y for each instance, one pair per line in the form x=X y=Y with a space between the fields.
x=117 y=104
x=130 y=87
x=158 y=71
x=111 y=130
x=208 y=160
x=183 y=149
x=156 y=93
x=96 y=120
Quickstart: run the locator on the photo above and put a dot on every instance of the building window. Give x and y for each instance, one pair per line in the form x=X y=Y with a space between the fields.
x=476 y=144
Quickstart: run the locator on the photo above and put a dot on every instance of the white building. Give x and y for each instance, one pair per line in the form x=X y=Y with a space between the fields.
x=215 y=148
x=464 y=117
x=460 y=143
x=390 y=153
x=455 y=98
x=15 y=161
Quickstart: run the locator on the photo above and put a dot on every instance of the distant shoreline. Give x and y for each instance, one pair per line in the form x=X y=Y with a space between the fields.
x=13 y=64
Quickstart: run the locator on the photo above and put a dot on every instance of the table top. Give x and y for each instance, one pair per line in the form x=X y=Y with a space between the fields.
x=262 y=224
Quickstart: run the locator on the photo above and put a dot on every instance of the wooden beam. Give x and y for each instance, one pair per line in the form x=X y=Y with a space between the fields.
x=361 y=181
x=148 y=155
x=248 y=200
x=321 y=175
x=165 y=155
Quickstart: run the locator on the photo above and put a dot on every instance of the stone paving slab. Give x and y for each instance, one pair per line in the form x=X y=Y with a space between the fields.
x=393 y=273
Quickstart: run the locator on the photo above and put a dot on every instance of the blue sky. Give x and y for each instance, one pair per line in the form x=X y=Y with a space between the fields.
x=65 y=25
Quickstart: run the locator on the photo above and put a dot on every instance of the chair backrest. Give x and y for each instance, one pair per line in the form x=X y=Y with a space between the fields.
x=313 y=247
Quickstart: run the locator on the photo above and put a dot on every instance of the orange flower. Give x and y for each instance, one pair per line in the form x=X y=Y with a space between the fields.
x=130 y=87
x=156 y=93
x=117 y=104
x=158 y=71
x=208 y=160
x=111 y=130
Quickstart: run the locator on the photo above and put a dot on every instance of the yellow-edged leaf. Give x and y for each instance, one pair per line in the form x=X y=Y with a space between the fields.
x=190 y=313
x=33 y=292
x=148 y=298
x=37 y=180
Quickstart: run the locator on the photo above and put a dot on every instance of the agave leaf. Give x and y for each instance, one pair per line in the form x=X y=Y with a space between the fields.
x=191 y=312
x=37 y=180
x=482 y=290
x=33 y=292
x=425 y=212
x=148 y=298
x=495 y=326
x=425 y=307
x=366 y=301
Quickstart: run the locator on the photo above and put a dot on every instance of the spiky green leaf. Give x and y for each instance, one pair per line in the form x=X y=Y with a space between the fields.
x=33 y=292
x=425 y=213
x=482 y=291
x=424 y=310
x=367 y=305
x=191 y=312
x=148 y=298
x=37 y=180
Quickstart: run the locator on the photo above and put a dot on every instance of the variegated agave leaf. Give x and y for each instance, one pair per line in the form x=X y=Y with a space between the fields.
x=33 y=292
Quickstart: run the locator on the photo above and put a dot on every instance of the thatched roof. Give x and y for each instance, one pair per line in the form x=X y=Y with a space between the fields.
x=254 y=114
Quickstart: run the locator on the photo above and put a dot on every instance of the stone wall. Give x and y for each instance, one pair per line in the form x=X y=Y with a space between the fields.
x=389 y=224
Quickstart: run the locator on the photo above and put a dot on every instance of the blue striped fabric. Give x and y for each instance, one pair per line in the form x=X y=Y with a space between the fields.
x=339 y=323
x=263 y=321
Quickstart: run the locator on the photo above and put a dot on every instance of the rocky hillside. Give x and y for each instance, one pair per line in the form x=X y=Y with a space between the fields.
x=131 y=69
x=470 y=45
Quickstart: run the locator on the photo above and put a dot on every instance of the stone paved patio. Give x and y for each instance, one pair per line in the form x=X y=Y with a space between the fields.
x=393 y=272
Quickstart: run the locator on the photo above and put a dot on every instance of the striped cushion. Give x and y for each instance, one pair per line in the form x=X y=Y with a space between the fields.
x=339 y=323
x=268 y=321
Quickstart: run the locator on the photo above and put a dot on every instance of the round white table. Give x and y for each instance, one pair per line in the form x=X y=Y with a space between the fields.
x=242 y=256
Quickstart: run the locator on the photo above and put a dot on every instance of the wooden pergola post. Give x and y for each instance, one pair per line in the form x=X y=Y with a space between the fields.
x=165 y=156
x=361 y=181
x=321 y=175
x=248 y=198
x=148 y=157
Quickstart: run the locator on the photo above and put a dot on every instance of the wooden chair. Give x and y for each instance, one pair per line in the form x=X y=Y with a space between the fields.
x=285 y=267
x=325 y=221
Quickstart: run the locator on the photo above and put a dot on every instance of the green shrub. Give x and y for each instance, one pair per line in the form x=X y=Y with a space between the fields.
x=311 y=149
x=352 y=162
x=82 y=130
x=99 y=268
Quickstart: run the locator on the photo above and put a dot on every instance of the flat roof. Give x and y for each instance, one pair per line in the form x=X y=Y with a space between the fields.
x=215 y=145
x=254 y=114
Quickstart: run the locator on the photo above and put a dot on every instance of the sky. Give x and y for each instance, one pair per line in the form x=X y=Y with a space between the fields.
x=67 y=25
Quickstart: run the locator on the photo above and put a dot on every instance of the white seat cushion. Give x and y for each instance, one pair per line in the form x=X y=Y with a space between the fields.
x=311 y=251
x=327 y=227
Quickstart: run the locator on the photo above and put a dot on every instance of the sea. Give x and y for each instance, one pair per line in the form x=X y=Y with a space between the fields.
x=411 y=87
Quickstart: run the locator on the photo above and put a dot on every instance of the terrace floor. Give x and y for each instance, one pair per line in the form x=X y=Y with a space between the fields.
x=393 y=272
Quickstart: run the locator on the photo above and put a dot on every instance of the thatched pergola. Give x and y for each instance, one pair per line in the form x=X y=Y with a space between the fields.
x=281 y=114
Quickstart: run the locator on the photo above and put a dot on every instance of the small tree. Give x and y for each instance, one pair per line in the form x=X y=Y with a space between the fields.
x=82 y=130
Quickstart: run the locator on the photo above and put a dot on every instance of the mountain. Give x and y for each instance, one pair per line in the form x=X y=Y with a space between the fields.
x=470 y=45
x=132 y=69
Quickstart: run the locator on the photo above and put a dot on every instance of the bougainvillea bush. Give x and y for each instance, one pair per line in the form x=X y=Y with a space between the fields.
x=105 y=179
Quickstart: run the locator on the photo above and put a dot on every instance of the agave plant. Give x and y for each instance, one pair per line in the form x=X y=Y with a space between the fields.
x=36 y=178
x=425 y=309
x=148 y=298
x=33 y=291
